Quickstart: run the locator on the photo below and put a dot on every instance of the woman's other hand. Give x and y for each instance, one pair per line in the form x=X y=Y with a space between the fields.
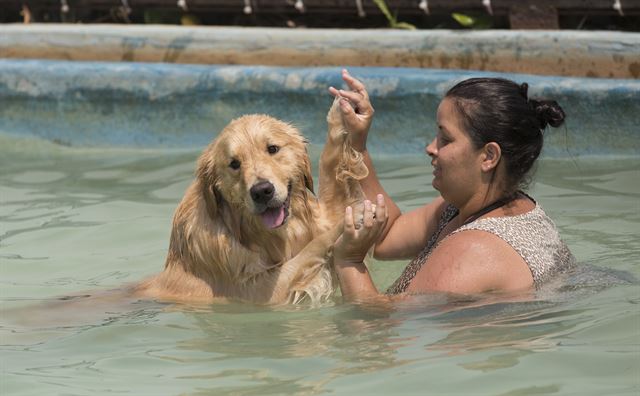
x=356 y=240
x=356 y=108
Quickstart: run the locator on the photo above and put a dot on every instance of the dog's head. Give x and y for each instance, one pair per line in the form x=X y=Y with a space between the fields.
x=256 y=164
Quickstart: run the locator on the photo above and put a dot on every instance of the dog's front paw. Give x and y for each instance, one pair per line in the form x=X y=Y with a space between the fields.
x=334 y=116
x=337 y=131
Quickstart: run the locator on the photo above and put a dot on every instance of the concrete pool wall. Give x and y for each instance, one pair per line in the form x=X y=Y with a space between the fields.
x=185 y=106
x=607 y=54
x=171 y=86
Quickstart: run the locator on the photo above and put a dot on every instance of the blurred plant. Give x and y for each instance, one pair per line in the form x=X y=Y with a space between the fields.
x=473 y=22
x=393 y=21
x=190 y=20
x=170 y=17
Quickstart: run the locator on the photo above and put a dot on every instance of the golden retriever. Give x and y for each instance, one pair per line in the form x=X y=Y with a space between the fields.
x=250 y=227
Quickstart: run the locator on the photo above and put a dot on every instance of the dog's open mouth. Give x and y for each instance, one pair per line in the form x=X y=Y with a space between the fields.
x=274 y=217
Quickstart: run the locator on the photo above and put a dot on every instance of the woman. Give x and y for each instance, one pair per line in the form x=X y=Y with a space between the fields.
x=483 y=233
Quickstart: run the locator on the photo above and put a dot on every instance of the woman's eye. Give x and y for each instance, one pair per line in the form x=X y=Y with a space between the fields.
x=234 y=164
x=272 y=149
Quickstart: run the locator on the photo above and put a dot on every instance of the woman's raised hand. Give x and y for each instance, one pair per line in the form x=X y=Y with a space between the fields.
x=356 y=108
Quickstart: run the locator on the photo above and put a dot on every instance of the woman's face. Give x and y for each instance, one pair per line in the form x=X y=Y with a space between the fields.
x=456 y=163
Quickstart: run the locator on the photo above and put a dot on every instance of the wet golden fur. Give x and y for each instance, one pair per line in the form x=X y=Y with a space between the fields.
x=220 y=248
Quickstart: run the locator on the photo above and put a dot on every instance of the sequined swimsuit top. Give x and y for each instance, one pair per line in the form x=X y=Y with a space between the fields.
x=533 y=235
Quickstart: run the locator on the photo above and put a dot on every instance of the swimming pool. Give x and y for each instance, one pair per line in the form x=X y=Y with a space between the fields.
x=81 y=218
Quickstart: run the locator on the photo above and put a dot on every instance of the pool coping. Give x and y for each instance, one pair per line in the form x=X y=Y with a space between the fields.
x=606 y=54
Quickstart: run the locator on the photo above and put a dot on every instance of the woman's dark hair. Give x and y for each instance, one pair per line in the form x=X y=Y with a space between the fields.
x=499 y=110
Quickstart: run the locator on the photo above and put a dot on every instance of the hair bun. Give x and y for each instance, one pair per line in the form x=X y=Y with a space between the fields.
x=549 y=112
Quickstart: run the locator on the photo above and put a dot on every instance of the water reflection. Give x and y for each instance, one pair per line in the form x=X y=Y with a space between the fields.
x=340 y=332
x=289 y=351
x=225 y=349
x=428 y=329
x=307 y=350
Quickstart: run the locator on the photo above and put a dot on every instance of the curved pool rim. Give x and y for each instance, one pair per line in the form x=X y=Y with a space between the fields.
x=185 y=106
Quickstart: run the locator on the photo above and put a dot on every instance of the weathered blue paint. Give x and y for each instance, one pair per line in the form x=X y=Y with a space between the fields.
x=169 y=105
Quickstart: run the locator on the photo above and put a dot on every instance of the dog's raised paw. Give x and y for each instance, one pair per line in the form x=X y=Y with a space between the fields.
x=337 y=130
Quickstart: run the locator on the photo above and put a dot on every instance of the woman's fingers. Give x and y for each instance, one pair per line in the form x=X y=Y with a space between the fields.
x=354 y=83
x=354 y=99
x=358 y=96
x=356 y=241
x=368 y=214
x=357 y=111
x=347 y=105
x=381 y=215
x=361 y=103
x=351 y=95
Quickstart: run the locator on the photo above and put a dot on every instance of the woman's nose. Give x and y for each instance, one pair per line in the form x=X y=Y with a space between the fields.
x=431 y=148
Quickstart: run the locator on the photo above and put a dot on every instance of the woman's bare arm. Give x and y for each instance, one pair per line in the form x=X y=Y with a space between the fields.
x=404 y=234
x=410 y=232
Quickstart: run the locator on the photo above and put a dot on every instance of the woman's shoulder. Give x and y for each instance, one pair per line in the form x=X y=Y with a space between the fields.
x=532 y=235
x=473 y=262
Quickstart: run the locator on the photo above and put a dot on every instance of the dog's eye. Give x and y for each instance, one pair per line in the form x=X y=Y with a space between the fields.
x=234 y=164
x=272 y=149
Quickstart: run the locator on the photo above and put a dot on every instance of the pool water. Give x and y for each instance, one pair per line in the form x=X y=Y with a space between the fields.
x=77 y=221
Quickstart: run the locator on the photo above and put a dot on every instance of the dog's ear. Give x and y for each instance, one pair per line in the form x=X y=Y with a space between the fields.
x=206 y=175
x=211 y=199
x=308 y=178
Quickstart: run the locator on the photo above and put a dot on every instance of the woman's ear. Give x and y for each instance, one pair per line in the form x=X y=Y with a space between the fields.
x=491 y=156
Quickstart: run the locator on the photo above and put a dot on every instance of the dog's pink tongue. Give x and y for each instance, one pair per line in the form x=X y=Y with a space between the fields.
x=273 y=217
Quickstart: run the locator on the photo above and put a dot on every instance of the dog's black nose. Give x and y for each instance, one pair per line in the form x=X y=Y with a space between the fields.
x=262 y=192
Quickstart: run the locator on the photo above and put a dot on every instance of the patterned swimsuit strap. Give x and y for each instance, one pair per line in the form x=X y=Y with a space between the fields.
x=495 y=205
